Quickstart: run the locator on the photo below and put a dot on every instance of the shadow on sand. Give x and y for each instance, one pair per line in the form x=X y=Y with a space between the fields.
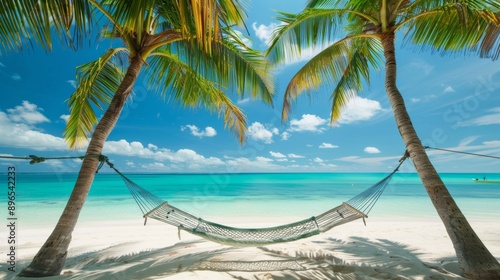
x=329 y=258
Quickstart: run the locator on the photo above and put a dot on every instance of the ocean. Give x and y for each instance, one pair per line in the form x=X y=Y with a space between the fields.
x=41 y=197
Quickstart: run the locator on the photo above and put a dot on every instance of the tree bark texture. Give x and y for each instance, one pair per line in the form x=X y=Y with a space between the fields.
x=475 y=261
x=51 y=257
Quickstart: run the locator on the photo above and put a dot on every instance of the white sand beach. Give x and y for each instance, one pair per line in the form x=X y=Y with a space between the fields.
x=383 y=249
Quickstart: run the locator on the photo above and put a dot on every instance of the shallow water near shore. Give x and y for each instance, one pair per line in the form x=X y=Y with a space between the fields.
x=41 y=197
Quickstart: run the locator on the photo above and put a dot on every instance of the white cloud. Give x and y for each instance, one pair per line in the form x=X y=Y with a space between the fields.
x=295 y=156
x=208 y=132
x=277 y=155
x=264 y=32
x=27 y=113
x=449 y=89
x=21 y=135
x=2 y=65
x=155 y=166
x=318 y=160
x=258 y=132
x=263 y=159
x=415 y=100
x=137 y=149
x=285 y=135
x=327 y=146
x=16 y=77
x=308 y=122
x=359 y=109
x=371 y=150
x=65 y=118
x=492 y=118
x=246 y=164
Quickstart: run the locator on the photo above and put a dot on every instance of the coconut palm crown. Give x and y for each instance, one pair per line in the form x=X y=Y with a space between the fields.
x=188 y=53
x=367 y=30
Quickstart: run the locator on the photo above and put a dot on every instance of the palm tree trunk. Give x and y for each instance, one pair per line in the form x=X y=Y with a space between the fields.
x=51 y=258
x=475 y=261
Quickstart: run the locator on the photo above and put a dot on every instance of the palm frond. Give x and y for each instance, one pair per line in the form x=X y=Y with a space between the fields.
x=232 y=65
x=97 y=81
x=342 y=65
x=183 y=84
x=323 y=3
x=246 y=69
x=209 y=17
x=35 y=22
x=450 y=28
x=294 y=35
x=490 y=44
x=365 y=53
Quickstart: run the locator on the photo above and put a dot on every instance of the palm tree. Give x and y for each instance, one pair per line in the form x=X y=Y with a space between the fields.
x=367 y=30
x=192 y=56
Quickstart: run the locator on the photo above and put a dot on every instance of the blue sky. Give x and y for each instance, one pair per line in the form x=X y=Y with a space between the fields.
x=454 y=103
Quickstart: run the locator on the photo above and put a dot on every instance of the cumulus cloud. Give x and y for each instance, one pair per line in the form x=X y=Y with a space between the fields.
x=137 y=149
x=277 y=155
x=65 y=118
x=359 y=109
x=208 y=132
x=259 y=132
x=264 y=32
x=371 y=150
x=22 y=135
x=259 y=163
x=308 y=122
x=327 y=146
x=449 y=89
x=27 y=113
x=17 y=129
x=318 y=160
x=295 y=156
x=285 y=135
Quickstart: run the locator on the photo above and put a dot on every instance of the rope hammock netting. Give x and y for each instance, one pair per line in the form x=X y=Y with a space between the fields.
x=156 y=208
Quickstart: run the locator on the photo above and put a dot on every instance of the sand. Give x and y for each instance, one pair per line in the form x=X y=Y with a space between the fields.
x=383 y=249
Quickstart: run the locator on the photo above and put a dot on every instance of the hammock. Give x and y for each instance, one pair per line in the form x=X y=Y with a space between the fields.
x=155 y=208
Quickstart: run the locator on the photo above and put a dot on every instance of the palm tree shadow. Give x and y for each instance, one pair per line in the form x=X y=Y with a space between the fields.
x=380 y=259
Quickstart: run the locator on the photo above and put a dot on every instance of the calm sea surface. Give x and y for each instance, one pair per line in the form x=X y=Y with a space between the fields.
x=40 y=197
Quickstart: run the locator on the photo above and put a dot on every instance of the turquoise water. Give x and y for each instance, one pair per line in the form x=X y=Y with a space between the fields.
x=41 y=197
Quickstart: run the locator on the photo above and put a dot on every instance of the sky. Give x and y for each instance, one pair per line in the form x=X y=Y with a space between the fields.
x=454 y=103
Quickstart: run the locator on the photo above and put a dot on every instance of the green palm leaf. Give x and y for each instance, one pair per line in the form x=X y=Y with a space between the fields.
x=452 y=26
x=294 y=35
x=97 y=81
x=23 y=23
x=183 y=84
x=343 y=65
